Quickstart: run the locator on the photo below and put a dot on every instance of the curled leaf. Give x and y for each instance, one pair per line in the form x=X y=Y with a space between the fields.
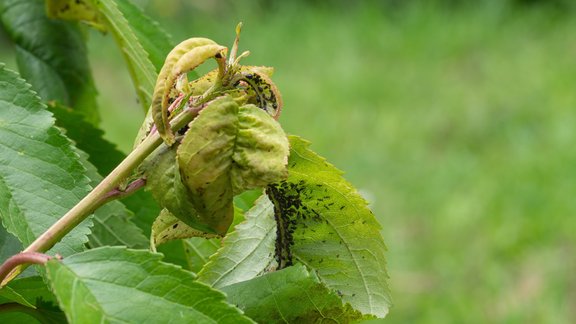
x=266 y=94
x=163 y=180
x=182 y=59
x=229 y=149
x=168 y=227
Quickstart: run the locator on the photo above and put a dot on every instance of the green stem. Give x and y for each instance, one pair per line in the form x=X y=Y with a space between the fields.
x=99 y=195
x=102 y=193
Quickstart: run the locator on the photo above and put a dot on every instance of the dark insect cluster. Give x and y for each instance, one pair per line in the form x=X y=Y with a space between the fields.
x=265 y=92
x=290 y=213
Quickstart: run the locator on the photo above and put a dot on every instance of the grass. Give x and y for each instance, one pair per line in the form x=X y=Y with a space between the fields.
x=458 y=125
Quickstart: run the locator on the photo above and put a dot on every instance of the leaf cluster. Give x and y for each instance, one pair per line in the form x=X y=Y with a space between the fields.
x=239 y=222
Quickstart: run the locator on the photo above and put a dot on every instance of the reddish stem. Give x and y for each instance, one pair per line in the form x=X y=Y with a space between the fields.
x=22 y=258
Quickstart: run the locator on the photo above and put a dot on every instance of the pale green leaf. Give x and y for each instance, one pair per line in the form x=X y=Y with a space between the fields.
x=247 y=251
x=168 y=227
x=51 y=55
x=291 y=295
x=229 y=149
x=115 y=285
x=163 y=180
x=80 y=10
x=41 y=177
x=194 y=247
x=198 y=250
x=325 y=224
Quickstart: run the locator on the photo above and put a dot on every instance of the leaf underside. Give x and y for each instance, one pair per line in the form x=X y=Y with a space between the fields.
x=115 y=284
x=291 y=295
x=325 y=224
x=246 y=252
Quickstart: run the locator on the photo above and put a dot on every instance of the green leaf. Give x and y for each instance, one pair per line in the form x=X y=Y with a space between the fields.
x=7 y=294
x=28 y=290
x=101 y=153
x=247 y=199
x=45 y=313
x=198 y=250
x=291 y=295
x=325 y=224
x=168 y=227
x=112 y=224
x=153 y=38
x=41 y=177
x=51 y=55
x=120 y=285
x=145 y=210
x=189 y=252
x=36 y=302
x=229 y=149
x=9 y=246
x=142 y=70
x=246 y=252
x=163 y=180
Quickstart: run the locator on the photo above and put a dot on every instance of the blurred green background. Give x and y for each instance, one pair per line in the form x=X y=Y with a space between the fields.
x=455 y=119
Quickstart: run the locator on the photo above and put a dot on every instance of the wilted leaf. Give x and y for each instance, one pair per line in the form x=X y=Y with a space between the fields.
x=229 y=149
x=120 y=285
x=163 y=180
x=81 y=10
x=168 y=227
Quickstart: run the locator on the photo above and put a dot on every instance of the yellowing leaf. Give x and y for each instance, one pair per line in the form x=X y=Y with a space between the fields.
x=163 y=180
x=168 y=227
x=229 y=149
